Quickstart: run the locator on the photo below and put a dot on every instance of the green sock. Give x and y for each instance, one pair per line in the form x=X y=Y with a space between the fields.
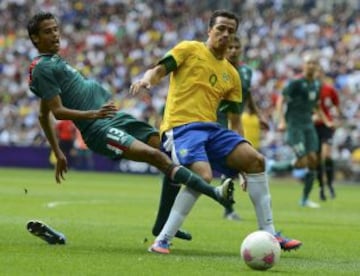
x=308 y=183
x=195 y=182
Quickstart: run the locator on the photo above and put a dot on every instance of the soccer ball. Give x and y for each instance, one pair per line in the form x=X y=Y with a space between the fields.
x=260 y=250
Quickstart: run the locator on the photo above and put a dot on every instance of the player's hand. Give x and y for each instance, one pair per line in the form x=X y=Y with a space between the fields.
x=243 y=181
x=61 y=167
x=139 y=87
x=108 y=110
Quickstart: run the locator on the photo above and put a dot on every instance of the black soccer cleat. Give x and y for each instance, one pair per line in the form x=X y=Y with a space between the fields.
x=183 y=235
x=41 y=230
x=225 y=192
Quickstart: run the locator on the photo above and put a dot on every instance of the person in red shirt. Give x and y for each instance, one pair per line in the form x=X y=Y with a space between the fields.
x=66 y=132
x=330 y=104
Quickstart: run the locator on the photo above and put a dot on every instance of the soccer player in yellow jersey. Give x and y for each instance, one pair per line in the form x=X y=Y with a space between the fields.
x=200 y=77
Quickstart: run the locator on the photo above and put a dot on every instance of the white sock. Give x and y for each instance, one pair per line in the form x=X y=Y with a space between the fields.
x=258 y=188
x=184 y=201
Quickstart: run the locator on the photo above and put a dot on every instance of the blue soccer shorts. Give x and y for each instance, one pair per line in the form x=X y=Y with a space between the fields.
x=208 y=142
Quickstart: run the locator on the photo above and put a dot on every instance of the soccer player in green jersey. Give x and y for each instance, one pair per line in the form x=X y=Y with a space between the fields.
x=301 y=97
x=66 y=94
x=224 y=117
x=200 y=77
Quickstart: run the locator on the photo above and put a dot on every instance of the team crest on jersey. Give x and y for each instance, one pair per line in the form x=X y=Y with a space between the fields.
x=213 y=79
x=226 y=77
x=183 y=152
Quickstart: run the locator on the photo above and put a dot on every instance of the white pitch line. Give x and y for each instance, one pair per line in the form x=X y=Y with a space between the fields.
x=54 y=204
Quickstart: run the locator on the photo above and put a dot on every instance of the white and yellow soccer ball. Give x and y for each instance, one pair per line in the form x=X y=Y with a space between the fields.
x=260 y=250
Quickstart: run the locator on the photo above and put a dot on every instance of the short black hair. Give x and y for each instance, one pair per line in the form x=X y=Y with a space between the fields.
x=223 y=13
x=34 y=23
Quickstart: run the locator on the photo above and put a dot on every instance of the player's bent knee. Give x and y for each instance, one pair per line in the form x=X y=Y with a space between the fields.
x=256 y=164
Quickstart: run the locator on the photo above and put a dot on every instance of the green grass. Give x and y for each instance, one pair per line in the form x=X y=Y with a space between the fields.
x=107 y=220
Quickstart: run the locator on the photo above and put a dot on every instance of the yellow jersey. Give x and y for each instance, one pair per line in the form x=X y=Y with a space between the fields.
x=197 y=85
x=251 y=126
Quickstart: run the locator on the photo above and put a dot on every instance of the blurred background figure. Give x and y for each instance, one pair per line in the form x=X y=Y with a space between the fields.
x=300 y=99
x=66 y=133
x=330 y=105
x=82 y=155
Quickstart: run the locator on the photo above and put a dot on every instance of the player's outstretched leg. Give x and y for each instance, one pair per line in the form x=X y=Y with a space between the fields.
x=224 y=194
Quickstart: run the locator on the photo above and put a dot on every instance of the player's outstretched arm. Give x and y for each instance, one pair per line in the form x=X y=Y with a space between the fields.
x=151 y=78
x=60 y=112
x=48 y=128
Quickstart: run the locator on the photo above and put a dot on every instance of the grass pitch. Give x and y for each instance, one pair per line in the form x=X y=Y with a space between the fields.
x=107 y=219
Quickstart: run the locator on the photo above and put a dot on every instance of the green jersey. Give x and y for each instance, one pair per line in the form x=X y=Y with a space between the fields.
x=245 y=73
x=301 y=97
x=50 y=75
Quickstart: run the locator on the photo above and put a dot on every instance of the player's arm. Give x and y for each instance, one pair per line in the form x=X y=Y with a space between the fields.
x=62 y=113
x=253 y=108
x=153 y=76
x=234 y=123
x=233 y=112
x=279 y=111
x=48 y=128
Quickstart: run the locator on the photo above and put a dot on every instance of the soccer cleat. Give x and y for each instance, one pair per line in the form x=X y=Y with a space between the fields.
x=310 y=204
x=226 y=192
x=181 y=234
x=232 y=216
x=287 y=244
x=161 y=247
x=41 y=230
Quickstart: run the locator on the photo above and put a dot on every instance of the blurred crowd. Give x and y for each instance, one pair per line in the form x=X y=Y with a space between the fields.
x=115 y=41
